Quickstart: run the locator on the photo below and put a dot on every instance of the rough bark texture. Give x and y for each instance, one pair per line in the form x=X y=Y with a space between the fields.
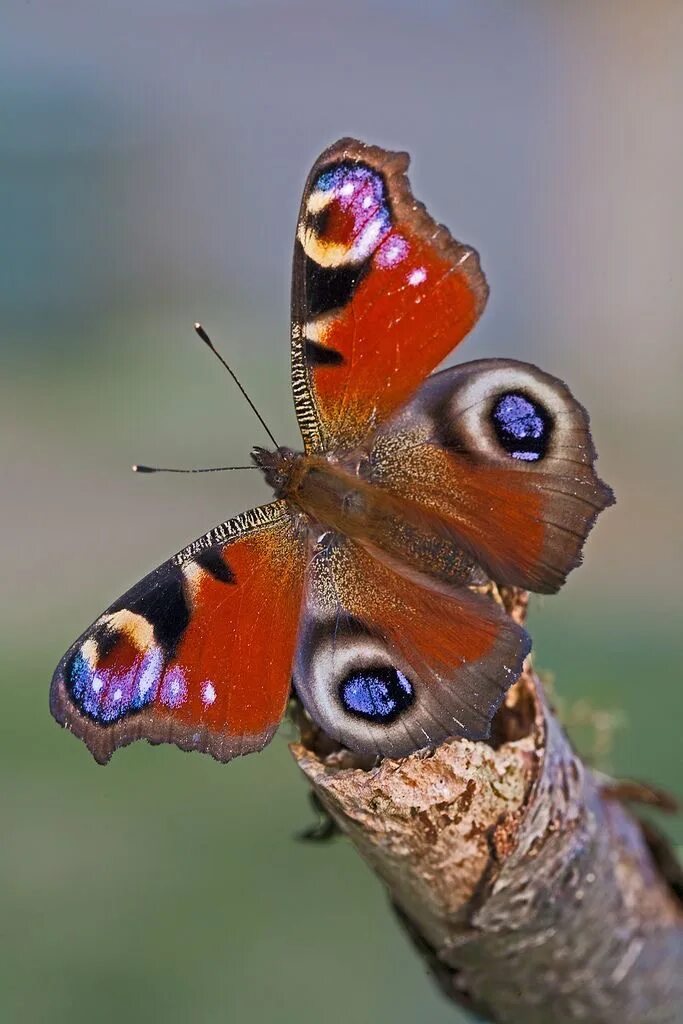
x=531 y=892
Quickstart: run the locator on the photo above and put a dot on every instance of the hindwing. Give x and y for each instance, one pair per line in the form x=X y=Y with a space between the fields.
x=387 y=665
x=499 y=455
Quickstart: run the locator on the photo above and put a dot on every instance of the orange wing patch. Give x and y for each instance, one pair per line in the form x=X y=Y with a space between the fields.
x=406 y=315
x=493 y=514
x=236 y=653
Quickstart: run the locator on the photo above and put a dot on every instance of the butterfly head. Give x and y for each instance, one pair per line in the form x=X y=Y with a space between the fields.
x=280 y=468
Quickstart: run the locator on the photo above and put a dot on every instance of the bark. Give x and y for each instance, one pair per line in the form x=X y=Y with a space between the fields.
x=523 y=881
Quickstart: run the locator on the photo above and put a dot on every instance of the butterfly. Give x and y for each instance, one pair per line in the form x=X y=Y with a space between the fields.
x=356 y=587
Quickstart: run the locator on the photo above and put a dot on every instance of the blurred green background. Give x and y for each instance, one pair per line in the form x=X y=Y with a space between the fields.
x=152 y=157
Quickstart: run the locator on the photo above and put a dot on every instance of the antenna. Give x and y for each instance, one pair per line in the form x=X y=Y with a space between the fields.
x=138 y=468
x=209 y=344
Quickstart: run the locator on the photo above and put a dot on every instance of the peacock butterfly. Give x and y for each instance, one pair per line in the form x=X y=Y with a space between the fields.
x=356 y=585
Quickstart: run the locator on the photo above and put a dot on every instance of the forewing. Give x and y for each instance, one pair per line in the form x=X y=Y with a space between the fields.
x=388 y=666
x=380 y=294
x=500 y=454
x=199 y=653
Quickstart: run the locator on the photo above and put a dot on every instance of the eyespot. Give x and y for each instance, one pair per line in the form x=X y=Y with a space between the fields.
x=109 y=678
x=377 y=694
x=522 y=426
x=347 y=216
x=359 y=688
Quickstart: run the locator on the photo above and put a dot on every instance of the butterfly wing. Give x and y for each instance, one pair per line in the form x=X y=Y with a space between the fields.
x=499 y=455
x=380 y=294
x=387 y=666
x=199 y=653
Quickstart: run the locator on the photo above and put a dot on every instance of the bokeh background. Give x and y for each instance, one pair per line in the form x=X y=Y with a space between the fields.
x=152 y=155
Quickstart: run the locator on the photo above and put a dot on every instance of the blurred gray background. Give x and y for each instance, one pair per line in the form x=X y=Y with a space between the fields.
x=152 y=156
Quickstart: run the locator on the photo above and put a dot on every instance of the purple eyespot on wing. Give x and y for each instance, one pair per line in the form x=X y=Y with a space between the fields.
x=108 y=686
x=522 y=426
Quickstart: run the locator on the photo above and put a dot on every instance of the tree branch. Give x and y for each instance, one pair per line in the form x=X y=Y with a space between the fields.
x=529 y=889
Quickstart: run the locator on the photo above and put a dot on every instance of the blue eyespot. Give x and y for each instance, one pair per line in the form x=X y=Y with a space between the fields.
x=107 y=694
x=377 y=694
x=522 y=426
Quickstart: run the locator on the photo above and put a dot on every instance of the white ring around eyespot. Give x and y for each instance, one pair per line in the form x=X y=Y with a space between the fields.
x=332 y=661
x=470 y=407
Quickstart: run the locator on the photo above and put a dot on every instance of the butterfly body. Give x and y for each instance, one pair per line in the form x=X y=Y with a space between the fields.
x=356 y=583
x=332 y=494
